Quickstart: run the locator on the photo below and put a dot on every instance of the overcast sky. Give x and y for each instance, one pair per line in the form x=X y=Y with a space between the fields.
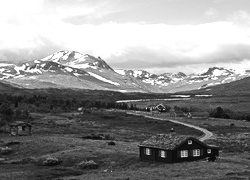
x=155 y=35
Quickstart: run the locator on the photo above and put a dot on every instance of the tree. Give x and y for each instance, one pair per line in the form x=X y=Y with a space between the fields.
x=6 y=111
x=219 y=113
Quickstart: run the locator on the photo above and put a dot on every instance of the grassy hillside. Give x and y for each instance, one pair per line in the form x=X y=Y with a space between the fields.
x=235 y=88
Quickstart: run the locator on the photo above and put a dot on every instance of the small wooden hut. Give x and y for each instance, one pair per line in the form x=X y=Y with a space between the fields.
x=20 y=128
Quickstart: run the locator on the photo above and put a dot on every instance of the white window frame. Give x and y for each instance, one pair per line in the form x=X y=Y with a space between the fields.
x=190 y=142
x=184 y=153
x=163 y=154
x=209 y=151
x=196 y=152
x=148 y=151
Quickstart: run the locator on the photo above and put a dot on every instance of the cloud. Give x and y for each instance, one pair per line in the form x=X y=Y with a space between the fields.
x=240 y=18
x=211 y=12
x=38 y=28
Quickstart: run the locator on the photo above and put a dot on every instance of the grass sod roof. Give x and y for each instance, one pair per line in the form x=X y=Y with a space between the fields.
x=20 y=123
x=165 y=141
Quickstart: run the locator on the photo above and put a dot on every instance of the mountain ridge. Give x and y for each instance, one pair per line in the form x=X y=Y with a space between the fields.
x=71 y=69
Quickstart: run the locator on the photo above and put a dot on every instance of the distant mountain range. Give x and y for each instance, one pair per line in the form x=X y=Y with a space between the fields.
x=71 y=69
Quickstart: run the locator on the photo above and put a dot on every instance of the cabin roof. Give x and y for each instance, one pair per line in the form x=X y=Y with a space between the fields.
x=165 y=141
x=20 y=123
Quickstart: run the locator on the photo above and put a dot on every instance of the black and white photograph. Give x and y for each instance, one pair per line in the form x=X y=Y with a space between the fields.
x=124 y=90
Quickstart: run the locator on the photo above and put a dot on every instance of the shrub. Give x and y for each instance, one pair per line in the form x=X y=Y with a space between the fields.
x=12 y=143
x=88 y=165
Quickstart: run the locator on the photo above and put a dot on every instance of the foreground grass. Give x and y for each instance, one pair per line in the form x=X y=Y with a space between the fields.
x=60 y=136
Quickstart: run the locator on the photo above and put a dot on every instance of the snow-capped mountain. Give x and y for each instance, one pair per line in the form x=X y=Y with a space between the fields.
x=77 y=60
x=71 y=69
x=170 y=82
x=207 y=77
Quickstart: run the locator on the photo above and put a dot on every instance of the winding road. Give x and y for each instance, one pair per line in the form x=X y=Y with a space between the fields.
x=207 y=134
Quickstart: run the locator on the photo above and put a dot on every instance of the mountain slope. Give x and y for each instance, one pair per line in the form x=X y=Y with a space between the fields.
x=235 y=88
x=240 y=87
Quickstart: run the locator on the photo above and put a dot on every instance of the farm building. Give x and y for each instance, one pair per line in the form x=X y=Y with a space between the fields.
x=20 y=128
x=159 y=108
x=172 y=148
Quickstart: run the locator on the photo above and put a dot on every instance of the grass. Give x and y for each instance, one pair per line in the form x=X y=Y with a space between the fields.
x=60 y=136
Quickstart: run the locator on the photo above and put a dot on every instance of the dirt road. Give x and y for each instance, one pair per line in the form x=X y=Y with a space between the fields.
x=207 y=134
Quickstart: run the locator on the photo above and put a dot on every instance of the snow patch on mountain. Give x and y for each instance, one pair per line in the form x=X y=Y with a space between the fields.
x=5 y=64
x=69 y=69
x=103 y=79
x=120 y=71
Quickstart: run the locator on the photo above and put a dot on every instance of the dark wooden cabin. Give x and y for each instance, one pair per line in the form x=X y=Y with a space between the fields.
x=172 y=148
x=20 y=128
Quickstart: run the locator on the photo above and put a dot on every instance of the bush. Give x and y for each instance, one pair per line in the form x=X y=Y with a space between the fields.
x=99 y=137
x=12 y=143
x=88 y=165
x=5 y=150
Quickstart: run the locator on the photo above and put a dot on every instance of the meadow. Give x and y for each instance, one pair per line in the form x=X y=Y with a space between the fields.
x=64 y=136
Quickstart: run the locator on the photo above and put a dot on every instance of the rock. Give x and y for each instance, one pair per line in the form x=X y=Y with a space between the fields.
x=50 y=161
x=88 y=165
x=5 y=150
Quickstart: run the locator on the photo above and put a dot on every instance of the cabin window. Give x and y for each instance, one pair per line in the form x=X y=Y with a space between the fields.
x=184 y=153
x=196 y=152
x=148 y=151
x=189 y=141
x=209 y=151
x=163 y=154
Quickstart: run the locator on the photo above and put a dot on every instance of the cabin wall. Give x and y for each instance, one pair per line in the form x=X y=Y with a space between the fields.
x=214 y=152
x=167 y=159
x=143 y=155
x=190 y=147
x=20 y=130
x=155 y=155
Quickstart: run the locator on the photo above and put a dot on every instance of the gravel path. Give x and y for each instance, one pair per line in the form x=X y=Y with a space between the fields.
x=207 y=134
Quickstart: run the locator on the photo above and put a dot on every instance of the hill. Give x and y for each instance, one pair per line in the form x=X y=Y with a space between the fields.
x=235 y=88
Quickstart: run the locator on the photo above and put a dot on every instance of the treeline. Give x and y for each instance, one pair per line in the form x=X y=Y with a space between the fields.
x=219 y=112
x=18 y=107
x=43 y=103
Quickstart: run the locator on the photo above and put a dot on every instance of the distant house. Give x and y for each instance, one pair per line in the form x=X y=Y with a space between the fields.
x=158 y=108
x=20 y=128
x=172 y=148
x=161 y=108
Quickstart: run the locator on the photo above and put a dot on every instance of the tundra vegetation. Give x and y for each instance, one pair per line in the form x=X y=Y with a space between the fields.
x=71 y=144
